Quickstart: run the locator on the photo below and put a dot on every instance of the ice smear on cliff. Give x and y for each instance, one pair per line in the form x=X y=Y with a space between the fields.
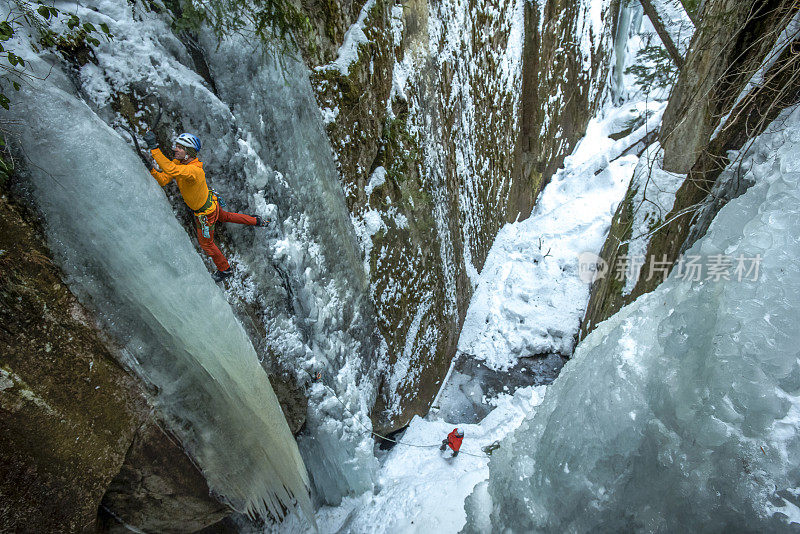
x=126 y=257
x=266 y=151
x=322 y=319
x=681 y=412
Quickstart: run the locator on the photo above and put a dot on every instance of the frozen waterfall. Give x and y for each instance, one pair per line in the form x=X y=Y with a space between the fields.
x=126 y=257
x=329 y=326
x=266 y=151
x=680 y=413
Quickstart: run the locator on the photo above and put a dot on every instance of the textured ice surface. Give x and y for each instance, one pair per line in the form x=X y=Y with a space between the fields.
x=265 y=150
x=680 y=413
x=319 y=317
x=126 y=256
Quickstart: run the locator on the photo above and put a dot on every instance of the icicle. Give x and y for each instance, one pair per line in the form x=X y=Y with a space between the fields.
x=621 y=52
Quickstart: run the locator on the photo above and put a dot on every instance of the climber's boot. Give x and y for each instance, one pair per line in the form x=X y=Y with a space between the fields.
x=219 y=276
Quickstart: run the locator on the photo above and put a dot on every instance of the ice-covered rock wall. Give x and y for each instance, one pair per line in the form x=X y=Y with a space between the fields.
x=300 y=284
x=312 y=266
x=680 y=412
x=424 y=107
x=126 y=256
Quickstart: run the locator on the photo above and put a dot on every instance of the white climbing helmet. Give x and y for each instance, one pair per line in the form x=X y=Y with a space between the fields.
x=189 y=140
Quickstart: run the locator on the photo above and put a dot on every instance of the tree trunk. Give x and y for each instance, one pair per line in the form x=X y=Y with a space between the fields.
x=658 y=23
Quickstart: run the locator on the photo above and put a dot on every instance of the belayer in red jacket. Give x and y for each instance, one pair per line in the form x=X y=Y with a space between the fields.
x=454 y=440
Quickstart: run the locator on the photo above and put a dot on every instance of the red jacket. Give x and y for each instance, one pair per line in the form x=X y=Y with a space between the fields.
x=454 y=441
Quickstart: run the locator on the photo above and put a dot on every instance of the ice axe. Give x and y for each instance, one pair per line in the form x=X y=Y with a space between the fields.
x=130 y=131
x=142 y=157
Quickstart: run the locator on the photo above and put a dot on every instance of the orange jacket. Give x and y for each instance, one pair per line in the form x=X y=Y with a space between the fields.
x=191 y=179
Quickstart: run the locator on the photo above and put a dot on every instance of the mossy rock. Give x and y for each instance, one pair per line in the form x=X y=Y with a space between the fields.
x=68 y=412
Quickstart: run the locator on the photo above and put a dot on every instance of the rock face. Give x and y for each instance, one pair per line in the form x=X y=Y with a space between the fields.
x=67 y=411
x=159 y=489
x=446 y=121
x=728 y=49
x=72 y=420
x=734 y=37
x=563 y=83
x=329 y=21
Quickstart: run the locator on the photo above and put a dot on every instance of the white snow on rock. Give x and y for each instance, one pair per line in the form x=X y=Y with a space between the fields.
x=530 y=298
x=355 y=37
x=676 y=21
x=420 y=489
x=655 y=194
x=376 y=179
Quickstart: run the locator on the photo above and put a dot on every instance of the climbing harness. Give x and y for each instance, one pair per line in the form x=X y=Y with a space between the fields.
x=212 y=197
x=201 y=214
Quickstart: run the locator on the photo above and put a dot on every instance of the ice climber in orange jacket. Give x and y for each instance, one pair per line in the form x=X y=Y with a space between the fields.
x=454 y=440
x=187 y=171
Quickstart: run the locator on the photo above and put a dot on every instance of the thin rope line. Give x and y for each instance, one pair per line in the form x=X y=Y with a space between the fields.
x=372 y=432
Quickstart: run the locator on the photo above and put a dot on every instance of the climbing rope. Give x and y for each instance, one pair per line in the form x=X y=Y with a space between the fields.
x=318 y=378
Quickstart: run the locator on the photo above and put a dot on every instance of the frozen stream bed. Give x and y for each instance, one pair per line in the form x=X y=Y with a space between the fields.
x=467 y=394
x=421 y=489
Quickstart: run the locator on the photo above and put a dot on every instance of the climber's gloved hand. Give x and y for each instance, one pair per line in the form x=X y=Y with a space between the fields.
x=150 y=139
x=455 y=453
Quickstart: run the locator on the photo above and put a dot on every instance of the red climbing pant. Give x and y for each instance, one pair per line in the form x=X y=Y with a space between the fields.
x=207 y=243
